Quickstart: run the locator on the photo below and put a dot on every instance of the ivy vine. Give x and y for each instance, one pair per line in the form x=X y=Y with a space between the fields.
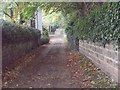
x=102 y=24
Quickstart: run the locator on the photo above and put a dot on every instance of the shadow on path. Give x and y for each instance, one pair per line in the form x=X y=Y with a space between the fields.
x=46 y=67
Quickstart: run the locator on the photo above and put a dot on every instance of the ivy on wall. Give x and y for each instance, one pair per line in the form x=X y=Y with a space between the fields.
x=101 y=24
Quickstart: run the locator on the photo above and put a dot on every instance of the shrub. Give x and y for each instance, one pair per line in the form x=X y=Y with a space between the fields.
x=45 y=37
x=13 y=33
x=17 y=41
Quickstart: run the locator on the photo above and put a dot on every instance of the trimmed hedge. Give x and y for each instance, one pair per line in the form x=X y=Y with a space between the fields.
x=13 y=33
x=17 y=41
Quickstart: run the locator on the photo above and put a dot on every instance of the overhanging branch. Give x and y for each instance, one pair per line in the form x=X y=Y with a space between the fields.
x=7 y=14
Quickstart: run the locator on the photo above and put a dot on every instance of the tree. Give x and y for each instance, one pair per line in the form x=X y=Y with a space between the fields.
x=8 y=10
x=13 y=10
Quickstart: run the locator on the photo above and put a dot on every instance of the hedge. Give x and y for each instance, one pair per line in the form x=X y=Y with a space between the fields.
x=13 y=33
x=17 y=40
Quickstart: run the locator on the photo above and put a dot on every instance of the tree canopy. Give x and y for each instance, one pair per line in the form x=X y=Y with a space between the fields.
x=93 y=21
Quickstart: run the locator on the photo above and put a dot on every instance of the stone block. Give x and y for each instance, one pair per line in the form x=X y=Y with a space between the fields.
x=105 y=58
x=101 y=57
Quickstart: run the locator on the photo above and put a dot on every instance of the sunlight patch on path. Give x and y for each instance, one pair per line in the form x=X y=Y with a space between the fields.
x=57 y=41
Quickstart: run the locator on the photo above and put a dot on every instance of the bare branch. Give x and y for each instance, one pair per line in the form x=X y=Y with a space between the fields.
x=7 y=14
x=16 y=4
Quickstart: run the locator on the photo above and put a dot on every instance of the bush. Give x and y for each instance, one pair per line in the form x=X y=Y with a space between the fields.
x=45 y=37
x=17 y=41
x=13 y=33
x=44 y=41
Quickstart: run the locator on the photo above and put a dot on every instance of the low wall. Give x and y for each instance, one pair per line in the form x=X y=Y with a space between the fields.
x=16 y=41
x=106 y=58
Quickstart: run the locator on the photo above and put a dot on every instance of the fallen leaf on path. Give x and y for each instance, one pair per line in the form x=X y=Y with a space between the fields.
x=30 y=87
x=48 y=84
x=6 y=83
x=17 y=85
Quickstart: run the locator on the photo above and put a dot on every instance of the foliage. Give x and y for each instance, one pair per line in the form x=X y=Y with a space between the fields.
x=100 y=25
x=97 y=22
x=13 y=33
x=50 y=7
x=12 y=10
x=45 y=36
x=45 y=33
x=28 y=11
x=54 y=19
x=18 y=11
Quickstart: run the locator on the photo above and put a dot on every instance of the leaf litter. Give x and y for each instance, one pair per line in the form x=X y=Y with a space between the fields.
x=87 y=73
